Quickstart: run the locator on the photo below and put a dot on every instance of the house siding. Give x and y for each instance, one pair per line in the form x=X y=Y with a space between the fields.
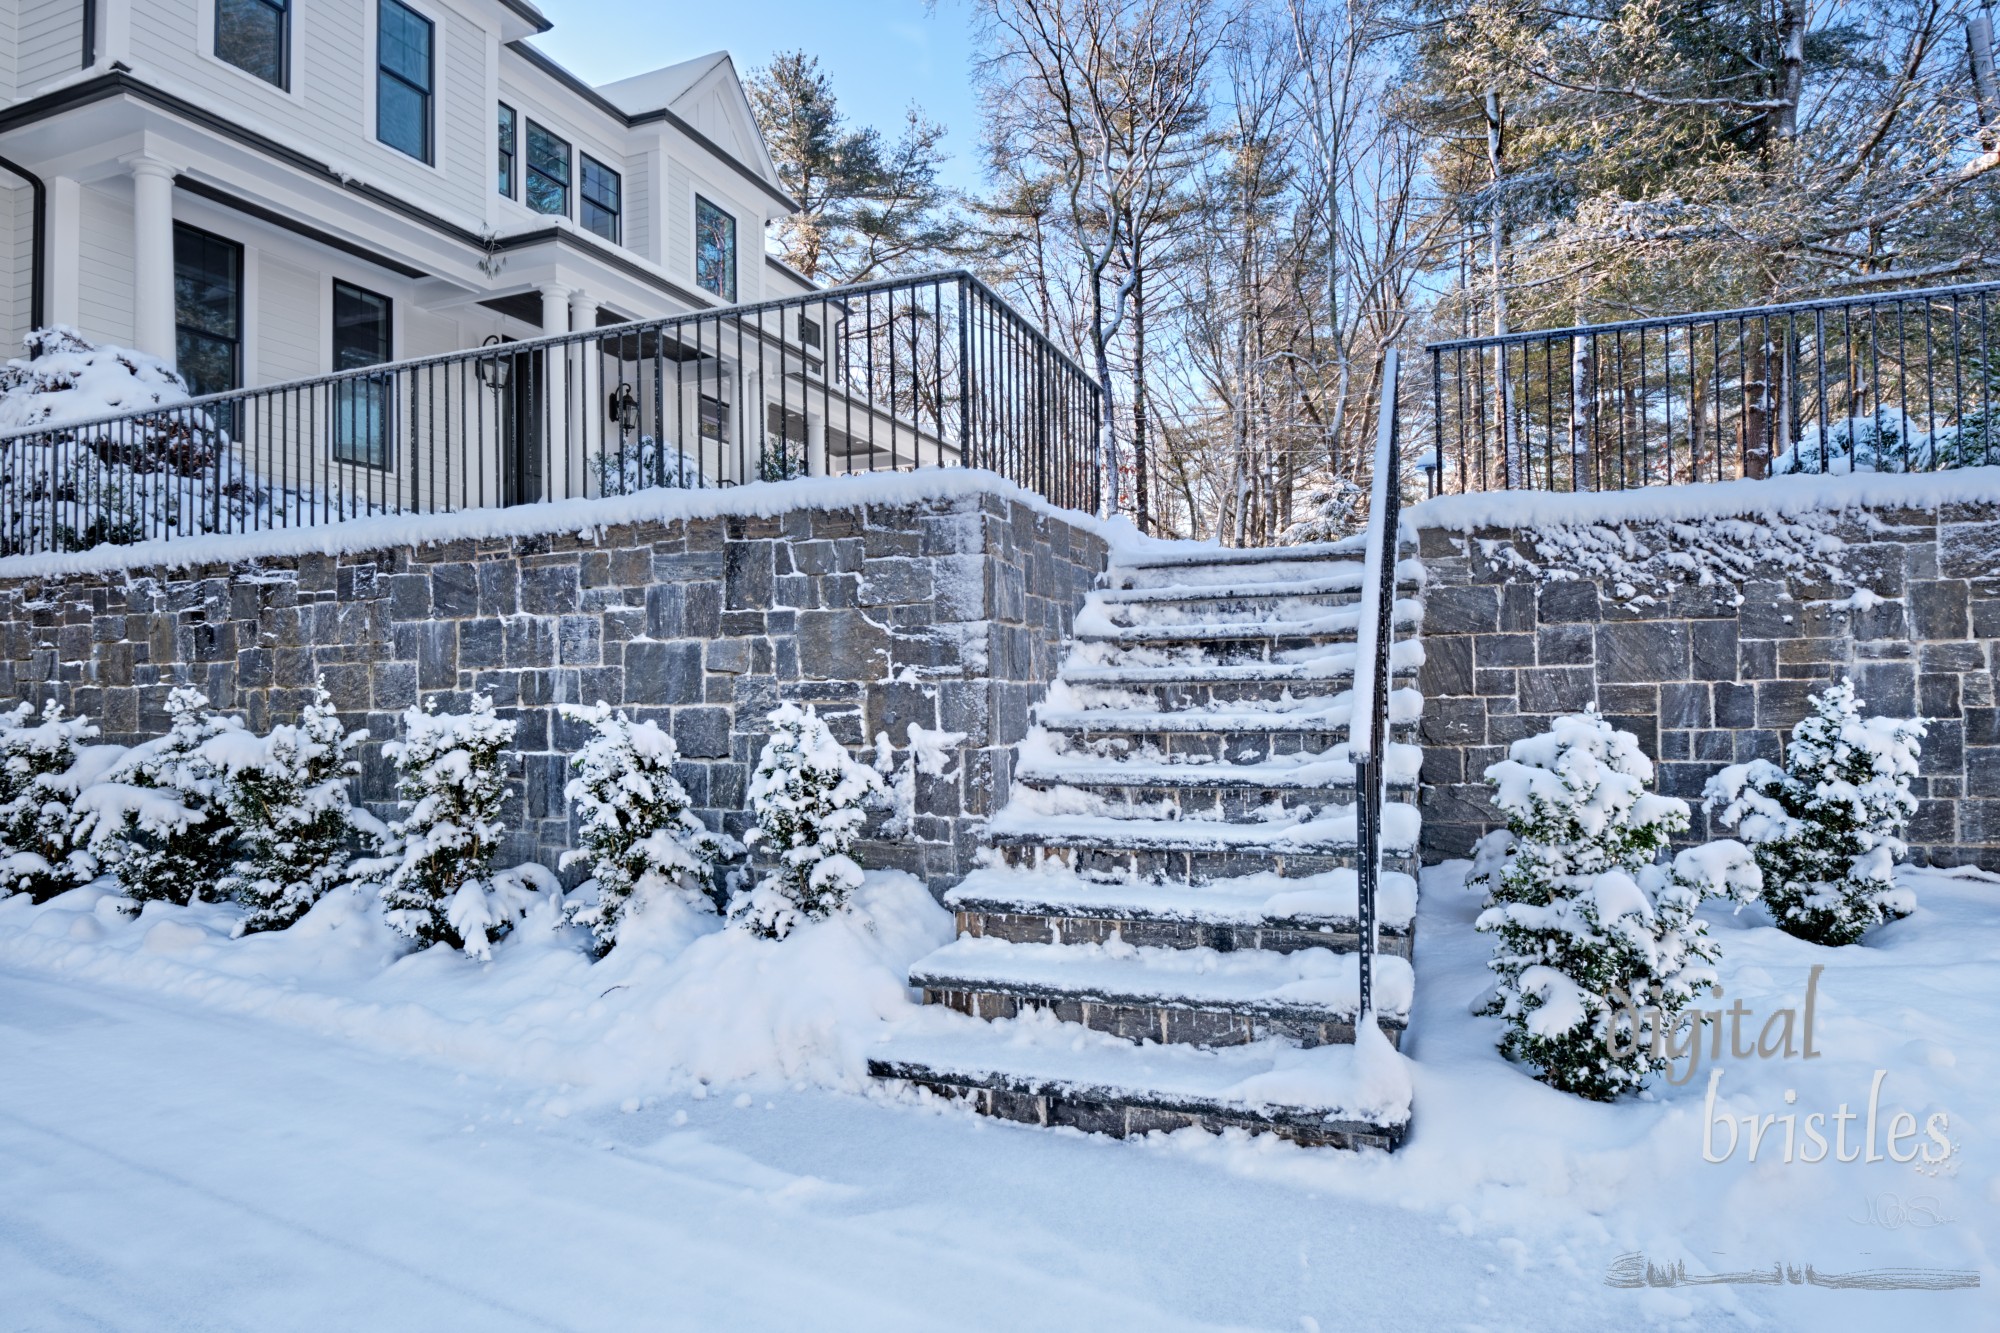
x=289 y=316
x=104 y=267
x=48 y=42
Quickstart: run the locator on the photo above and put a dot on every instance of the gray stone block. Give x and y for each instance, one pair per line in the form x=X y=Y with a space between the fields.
x=1643 y=650
x=1461 y=610
x=663 y=673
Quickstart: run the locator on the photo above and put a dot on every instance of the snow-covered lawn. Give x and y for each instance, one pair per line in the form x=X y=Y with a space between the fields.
x=304 y=1131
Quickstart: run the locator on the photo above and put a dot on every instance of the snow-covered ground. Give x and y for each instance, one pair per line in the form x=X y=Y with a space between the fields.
x=306 y=1131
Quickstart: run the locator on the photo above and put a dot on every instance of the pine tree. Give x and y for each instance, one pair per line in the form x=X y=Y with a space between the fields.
x=435 y=875
x=35 y=818
x=1582 y=912
x=158 y=821
x=1826 y=826
x=806 y=794
x=640 y=836
x=289 y=803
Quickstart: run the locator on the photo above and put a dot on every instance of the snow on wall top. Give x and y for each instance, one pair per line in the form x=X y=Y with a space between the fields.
x=1770 y=497
x=586 y=517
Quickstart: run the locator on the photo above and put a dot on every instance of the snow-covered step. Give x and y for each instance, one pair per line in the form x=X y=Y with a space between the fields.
x=1044 y=1073
x=1310 y=771
x=1050 y=905
x=1193 y=851
x=1167 y=995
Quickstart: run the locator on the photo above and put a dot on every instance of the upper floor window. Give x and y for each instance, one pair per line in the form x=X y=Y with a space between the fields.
x=548 y=171
x=508 y=140
x=403 y=75
x=714 y=249
x=254 y=35
x=600 y=198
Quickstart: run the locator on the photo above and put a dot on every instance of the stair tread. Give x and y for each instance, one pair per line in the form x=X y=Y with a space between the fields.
x=1189 y=553
x=1036 y=1055
x=1318 y=983
x=1028 y=822
x=1343 y=578
x=1311 y=713
x=1327 y=899
x=1304 y=770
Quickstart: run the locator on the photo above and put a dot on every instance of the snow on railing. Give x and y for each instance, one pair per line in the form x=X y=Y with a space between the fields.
x=1892 y=382
x=930 y=371
x=1368 y=732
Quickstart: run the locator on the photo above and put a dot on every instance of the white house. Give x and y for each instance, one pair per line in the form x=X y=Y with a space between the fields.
x=415 y=163
x=271 y=190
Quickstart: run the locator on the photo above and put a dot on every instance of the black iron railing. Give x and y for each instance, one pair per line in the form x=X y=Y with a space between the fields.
x=1368 y=732
x=1904 y=381
x=919 y=372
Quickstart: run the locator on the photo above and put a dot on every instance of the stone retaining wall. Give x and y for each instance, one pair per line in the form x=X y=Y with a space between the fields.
x=1514 y=633
x=949 y=613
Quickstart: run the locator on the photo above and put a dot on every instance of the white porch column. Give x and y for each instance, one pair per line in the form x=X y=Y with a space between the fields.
x=554 y=423
x=63 y=244
x=815 y=444
x=153 y=257
x=588 y=381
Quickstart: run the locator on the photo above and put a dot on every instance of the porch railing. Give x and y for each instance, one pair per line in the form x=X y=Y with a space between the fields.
x=1903 y=381
x=919 y=372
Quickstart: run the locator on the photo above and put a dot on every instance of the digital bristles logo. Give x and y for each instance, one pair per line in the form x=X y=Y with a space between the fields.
x=1885 y=1134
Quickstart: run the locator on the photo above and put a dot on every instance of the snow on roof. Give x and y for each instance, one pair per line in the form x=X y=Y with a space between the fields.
x=662 y=87
x=1769 y=497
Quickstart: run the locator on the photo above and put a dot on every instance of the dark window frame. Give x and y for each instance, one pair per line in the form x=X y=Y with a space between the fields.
x=234 y=341
x=379 y=452
x=585 y=203
x=508 y=165
x=427 y=92
x=567 y=182
x=711 y=409
x=283 y=9
x=735 y=249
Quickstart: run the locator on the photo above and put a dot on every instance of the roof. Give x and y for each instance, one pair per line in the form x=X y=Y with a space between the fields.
x=660 y=87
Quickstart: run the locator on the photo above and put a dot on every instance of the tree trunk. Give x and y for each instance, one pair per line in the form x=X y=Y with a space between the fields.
x=1107 y=437
x=1496 y=161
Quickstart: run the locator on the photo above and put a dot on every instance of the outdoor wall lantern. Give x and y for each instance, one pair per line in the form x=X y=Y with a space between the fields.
x=624 y=407
x=492 y=370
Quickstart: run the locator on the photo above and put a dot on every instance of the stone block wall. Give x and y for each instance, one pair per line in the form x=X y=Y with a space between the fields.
x=950 y=613
x=1708 y=676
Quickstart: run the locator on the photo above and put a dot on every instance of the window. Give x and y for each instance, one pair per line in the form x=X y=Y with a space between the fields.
x=548 y=171
x=252 y=35
x=600 y=195
x=808 y=331
x=507 y=150
x=714 y=418
x=361 y=406
x=208 y=314
x=714 y=249
x=403 y=79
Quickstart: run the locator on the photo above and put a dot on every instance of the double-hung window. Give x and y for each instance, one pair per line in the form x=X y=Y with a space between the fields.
x=548 y=171
x=255 y=36
x=208 y=314
x=509 y=150
x=714 y=249
x=404 y=69
x=363 y=404
x=600 y=195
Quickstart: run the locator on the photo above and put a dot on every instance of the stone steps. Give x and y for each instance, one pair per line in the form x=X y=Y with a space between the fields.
x=1048 y=1074
x=1166 y=995
x=1170 y=919
x=1261 y=911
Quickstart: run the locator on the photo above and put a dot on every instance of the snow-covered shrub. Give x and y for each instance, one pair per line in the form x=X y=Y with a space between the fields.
x=158 y=821
x=807 y=796
x=36 y=857
x=1826 y=826
x=286 y=793
x=1333 y=510
x=640 y=837
x=435 y=871
x=1887 y=440
x=643 y=464
x=1581 y=910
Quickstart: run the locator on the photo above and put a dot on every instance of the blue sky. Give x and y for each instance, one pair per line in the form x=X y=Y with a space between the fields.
x=881 y=54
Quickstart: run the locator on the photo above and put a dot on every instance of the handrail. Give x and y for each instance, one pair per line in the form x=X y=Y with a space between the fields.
x=1367 y=733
